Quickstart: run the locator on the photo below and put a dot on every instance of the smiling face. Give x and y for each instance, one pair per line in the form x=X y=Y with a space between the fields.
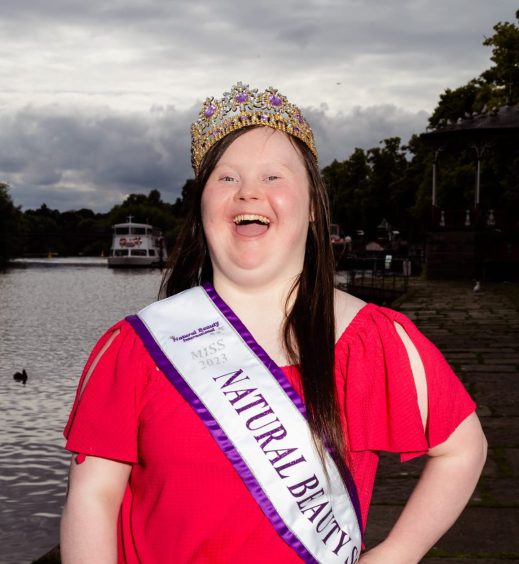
x=256 y=210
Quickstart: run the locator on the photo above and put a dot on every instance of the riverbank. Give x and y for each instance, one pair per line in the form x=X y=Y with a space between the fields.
x=51 y=262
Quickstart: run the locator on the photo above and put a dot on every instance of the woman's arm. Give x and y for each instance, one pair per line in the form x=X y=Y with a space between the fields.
x=443 y=490
x=89 y=521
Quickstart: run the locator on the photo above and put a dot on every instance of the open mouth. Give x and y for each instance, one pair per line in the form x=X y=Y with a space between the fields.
x=251 y=225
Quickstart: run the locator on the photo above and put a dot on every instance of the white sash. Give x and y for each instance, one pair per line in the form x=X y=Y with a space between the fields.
x=257 y=419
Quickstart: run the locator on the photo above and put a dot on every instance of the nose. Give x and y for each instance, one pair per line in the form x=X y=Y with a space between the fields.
x=248 y=190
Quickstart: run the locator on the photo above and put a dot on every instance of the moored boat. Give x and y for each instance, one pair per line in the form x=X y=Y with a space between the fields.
x=136 y=244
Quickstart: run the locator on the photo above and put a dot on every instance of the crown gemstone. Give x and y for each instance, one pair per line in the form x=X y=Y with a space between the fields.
x=241 y=97
x=209 y=111
x=275 y=100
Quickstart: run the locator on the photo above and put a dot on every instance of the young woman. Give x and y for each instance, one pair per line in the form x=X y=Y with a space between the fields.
x=239 y=419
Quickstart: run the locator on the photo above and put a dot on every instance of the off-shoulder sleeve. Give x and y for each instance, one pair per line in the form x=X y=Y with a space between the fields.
x=104 y=418
x=380 y=399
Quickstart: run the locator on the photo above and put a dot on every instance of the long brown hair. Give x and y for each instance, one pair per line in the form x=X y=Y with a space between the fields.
x=309 y=327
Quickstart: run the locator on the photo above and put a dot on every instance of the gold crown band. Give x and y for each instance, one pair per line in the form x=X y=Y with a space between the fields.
x=240 y=108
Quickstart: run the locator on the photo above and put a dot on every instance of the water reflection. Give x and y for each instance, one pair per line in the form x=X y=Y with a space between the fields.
x=49 y=320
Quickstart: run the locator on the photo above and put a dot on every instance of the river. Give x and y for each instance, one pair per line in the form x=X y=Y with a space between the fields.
x=52 y=311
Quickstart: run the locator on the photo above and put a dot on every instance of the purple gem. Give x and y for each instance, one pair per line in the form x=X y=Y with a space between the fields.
x=300 y=118
x=296 y=129
x=275 y=100
x=264 y=117
x=209 y=111
x=241 y=97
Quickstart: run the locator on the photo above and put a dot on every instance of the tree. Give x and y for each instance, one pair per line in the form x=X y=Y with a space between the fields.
x=9 y=226
x=495 y=87
x=44 y=232
x=154 y=198
x=504 y=74
x=347 y=183
x=388 y=166
x=457 y=103
x=184 y=202
x=369 y=186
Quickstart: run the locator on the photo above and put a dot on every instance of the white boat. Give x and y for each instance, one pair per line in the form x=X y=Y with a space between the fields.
x=136 y=244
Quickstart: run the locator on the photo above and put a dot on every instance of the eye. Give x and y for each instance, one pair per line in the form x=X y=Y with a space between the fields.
x=227 y=178
x=272 y=177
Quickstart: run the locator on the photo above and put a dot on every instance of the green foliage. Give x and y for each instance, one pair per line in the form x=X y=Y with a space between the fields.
x=347 y=183
x=151 y=209
x=457 y=103
x=504 y=74
x=497 y=86
x=10 y=217
x=369 y=186
x=45 y=231
x=388 y=167
x=394 y=182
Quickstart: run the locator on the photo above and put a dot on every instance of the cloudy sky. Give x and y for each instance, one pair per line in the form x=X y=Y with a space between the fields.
x=96 y=97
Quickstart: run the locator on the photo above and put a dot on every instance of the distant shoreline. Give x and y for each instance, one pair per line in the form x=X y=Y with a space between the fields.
x=57 y=261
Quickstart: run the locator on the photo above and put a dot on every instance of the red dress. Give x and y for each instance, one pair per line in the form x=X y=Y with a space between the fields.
x=185 y=502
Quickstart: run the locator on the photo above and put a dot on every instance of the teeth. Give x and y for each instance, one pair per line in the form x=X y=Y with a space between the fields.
x=251 y=217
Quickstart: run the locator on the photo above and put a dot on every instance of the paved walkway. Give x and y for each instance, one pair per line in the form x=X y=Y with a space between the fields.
x=479 y=335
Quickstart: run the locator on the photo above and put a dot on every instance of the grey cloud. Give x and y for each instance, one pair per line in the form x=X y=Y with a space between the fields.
x=78 y=80
x=338 y=136
x=52 y=152
x=365 y=27
x=301 y=35
x=71 y=159
x=146 y=51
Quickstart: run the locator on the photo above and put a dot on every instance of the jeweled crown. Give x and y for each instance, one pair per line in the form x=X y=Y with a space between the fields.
x=241 y=107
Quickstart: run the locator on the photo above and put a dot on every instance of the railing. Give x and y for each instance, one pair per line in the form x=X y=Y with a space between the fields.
x=377 y=280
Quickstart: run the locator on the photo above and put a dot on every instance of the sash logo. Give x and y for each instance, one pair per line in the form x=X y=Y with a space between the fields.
x=195 y=333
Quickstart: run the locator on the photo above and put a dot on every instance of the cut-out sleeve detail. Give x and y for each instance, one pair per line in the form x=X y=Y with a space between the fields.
x=104 y=418
x=379 y=396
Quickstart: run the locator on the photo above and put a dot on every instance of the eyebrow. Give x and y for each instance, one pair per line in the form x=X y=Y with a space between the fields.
x=222 y=163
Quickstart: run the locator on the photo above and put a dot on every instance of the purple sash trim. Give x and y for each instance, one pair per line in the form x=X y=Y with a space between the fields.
x=279 y=375
x=217 y=432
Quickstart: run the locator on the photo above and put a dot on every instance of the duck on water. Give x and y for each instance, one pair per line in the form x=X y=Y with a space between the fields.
x=21 y=376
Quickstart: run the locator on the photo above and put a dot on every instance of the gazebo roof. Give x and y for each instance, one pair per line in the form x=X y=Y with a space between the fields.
x=484 y=126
